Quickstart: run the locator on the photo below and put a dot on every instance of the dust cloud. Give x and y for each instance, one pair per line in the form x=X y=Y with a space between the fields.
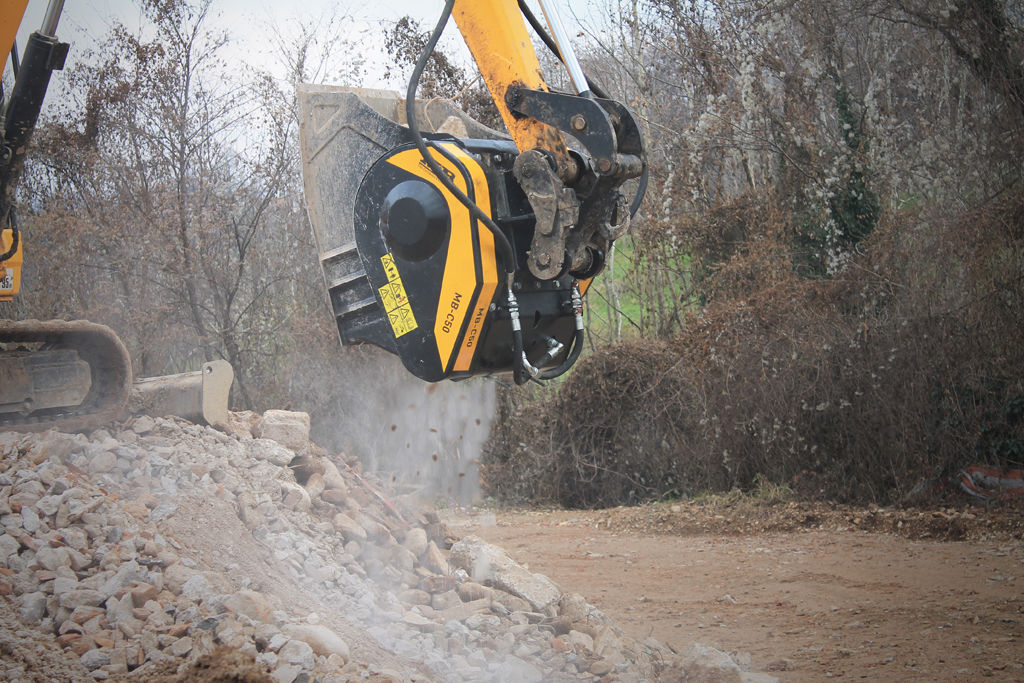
x=420 y=436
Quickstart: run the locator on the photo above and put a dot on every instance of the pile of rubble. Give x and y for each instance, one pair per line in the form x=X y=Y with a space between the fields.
x=142 y=549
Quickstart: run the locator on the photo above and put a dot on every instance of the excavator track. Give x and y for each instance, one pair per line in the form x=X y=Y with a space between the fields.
x=56 y=374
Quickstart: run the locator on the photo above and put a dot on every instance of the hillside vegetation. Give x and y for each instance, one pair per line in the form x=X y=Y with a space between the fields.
x=825 y=291
x=822 y=292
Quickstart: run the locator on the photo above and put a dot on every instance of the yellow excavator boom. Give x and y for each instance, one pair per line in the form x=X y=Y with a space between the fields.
x=11 y=13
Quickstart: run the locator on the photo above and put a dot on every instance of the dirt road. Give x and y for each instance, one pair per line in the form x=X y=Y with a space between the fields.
x=807 y=604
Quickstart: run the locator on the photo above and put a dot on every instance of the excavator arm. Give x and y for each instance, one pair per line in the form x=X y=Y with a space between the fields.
x=53 y=374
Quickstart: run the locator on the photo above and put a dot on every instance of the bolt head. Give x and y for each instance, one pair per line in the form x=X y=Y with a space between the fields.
x=578 y=122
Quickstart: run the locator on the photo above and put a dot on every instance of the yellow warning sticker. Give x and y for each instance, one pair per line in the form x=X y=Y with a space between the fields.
x=390 y=269
x=395 y=300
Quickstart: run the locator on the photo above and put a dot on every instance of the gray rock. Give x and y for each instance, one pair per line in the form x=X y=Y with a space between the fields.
x=79 y=561
x=270 y=451
x=573 y=607
x=702 y=663
x=54 y=446
x=286 y=673
x=81 y=597
x=416 y=541
x=488 y=564
x=288 y=428
x=323 y=640
x=315 y=485
x=75 y=537
x=581 y=642
x=119 y=610
x=29 y=519
x=33 y=607
x=8 y=546
x=28 y=489
x=415 y=596
x=47 y=505
x=176 y=575
x=348 y=528
x=299 y=653
x=52 y=558
x=267 y=659
x=94 y=659
x=73 y=622
x=197 y=588
x=250 y=604
x=181 y=647
x=295 y=497
x=446 y=600
x=162 y=511
x=63 y=584
x=277 y=641
x=402 y=558
x=103 y=461
x=435 y=560
x=143 y=424
x=127 y=573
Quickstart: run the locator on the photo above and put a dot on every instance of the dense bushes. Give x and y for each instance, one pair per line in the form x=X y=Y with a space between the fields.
x=831 y=257
x=858 y=388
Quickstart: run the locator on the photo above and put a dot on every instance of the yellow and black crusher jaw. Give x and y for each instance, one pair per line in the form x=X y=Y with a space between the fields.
x=406 y=267
x=466 y=254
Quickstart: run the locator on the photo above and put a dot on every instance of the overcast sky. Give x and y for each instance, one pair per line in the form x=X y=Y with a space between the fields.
x=250 y=23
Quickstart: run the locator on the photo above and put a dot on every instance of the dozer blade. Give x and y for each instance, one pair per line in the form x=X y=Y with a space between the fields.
x=62 y=375
x=200 y=396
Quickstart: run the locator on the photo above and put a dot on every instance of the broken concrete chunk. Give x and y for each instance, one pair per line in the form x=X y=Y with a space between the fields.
x=286 y=427
x=270 y=451
x=323 y=640
x=488 y=564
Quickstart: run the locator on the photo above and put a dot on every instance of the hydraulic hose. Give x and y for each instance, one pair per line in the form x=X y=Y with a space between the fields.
x=15 y=235
x=577 y=339
x=504 y=247
x=519 y=361
x=546 y=38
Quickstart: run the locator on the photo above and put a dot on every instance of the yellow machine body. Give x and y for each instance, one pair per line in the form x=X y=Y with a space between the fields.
x=10 y=270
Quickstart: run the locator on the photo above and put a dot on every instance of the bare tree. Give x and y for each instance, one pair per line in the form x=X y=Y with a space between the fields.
x=176 y=185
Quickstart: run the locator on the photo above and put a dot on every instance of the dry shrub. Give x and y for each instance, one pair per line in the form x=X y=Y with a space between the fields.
x=611 y=434
x=868 y=387
x=517 y=466
x=624 y=417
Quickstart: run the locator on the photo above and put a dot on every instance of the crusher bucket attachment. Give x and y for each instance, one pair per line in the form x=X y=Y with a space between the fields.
x=62 y=375
x=407 y=268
